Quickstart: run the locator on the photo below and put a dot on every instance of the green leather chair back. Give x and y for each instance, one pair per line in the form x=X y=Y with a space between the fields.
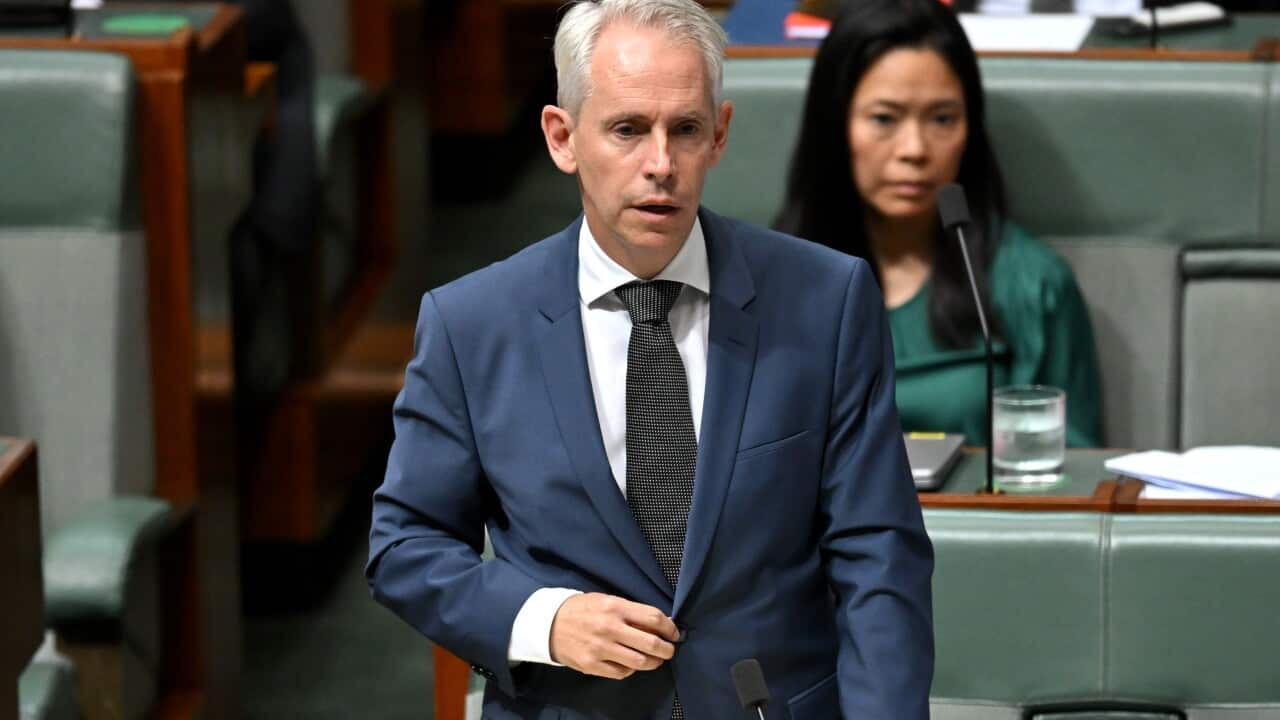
x=1192 y=613
x=1230 y=390
x=1058 y=609
x=1118 y=164
x=1017 y=610
x=74 y=349
x=1173 y=151
x=1271 y=163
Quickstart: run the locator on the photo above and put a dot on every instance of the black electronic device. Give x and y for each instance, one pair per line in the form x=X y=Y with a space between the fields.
x=748 y=680
x=35 y=14
x=953 y=209
x=1159 y=17
x=931 y=456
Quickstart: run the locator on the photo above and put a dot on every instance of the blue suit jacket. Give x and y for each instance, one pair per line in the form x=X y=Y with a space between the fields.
x=805 y=545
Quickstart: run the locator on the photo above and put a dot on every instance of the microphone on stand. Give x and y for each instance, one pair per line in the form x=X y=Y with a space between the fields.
x=748 y=680
x=1152 y=5
x=954 y=211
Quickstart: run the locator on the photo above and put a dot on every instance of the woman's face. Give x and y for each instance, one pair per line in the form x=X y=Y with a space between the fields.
x=907 y=130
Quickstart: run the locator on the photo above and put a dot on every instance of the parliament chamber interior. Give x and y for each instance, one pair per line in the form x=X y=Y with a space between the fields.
x=217 y=223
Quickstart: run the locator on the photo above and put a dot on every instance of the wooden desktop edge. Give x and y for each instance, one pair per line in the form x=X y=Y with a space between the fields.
x=1120 y=495
x=1128 y=499
x=1266 y=49
x=1101 y=500
x=16 y=453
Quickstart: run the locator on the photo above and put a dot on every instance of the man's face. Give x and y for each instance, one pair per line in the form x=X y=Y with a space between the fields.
x=641 y=144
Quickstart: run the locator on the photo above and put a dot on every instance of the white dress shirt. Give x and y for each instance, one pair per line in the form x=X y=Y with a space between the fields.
x=606 y=330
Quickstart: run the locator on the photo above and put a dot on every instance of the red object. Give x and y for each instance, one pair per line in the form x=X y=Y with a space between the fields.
x=802 y=26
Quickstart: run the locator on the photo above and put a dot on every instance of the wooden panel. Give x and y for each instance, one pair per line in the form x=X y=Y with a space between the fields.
x=372 y=48
x=21 y=578
x=451 y=677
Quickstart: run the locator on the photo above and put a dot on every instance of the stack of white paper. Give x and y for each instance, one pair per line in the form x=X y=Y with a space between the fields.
x=1026 y=33
x=1229 y=471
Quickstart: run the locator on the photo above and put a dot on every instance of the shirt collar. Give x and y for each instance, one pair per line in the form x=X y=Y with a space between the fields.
x=599 y=275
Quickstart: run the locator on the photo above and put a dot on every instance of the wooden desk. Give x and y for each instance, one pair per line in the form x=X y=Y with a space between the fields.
x=756 y=30
x=1085 y=485
x=21 y=578
x=1128 y=499
x=199 y=66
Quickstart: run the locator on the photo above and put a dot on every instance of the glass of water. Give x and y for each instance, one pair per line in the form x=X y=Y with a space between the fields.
x=1030 y=422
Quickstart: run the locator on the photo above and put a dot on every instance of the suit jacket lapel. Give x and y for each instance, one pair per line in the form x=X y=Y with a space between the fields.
x=731 y=353
x=564 y=365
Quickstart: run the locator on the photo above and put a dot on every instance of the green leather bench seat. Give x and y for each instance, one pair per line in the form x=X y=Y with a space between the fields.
x=47 y=691
x=1120 y=165
x=1054 y=609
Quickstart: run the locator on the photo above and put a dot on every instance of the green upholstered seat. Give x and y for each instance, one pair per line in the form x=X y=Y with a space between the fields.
x=1192 y=612
x=74 y=357
x=341 y=103
x=47 y=691
x=1230 y=391
x=1093 y=610
x=1120 y=165
x=222 y=185
x=1016 y=610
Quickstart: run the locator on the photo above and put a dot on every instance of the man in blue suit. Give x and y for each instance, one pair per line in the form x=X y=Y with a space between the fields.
x=679 y=431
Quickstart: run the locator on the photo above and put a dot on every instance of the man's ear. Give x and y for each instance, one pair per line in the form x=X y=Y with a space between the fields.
x=721 y=135
x=557 y=128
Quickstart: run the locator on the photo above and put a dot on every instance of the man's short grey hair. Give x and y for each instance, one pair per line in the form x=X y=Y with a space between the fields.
x=685 y=21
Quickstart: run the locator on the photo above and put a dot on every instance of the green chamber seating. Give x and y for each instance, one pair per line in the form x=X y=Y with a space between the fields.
x=1123 y=166
x=1090 y=615
x=223 y=185
x=75 y=371
x=1230 y=390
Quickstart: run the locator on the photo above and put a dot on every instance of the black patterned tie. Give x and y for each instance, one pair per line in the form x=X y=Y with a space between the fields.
x=662 y=449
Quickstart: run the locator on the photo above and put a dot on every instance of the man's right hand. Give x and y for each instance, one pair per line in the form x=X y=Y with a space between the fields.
x=608 y=636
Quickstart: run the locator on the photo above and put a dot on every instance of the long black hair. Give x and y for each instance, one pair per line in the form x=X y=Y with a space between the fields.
x=823 y=203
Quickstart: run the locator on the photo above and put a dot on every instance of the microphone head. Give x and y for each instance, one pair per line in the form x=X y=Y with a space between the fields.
x=748 y=679
x=952 y=206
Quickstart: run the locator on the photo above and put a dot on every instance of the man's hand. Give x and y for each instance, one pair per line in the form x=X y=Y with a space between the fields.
x=603 y=635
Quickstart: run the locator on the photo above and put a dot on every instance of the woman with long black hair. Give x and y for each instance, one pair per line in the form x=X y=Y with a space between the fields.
x=894 y=112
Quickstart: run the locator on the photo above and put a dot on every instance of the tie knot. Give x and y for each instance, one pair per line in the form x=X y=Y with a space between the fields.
x=649 y=301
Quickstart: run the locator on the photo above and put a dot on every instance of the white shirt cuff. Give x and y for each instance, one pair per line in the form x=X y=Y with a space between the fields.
x=531 y=631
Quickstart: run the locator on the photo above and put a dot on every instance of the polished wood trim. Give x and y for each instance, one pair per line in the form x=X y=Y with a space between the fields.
x=1266 y=49
x=21 y=574
x=180 y=706
x=372 y=46
x=1129 y=500
x=1259 y=53
x=260 y=87
x=167 y=217
x=1101 y=500
x=451 y=677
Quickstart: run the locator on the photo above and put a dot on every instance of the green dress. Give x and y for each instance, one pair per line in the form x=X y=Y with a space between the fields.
x=1044 y=338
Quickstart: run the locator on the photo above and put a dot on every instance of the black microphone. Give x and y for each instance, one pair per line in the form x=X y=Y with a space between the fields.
x=1154 y=6
x=954 y=210
x=748 y=680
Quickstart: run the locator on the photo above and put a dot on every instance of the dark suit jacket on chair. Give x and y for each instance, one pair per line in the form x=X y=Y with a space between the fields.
x=805 y=546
